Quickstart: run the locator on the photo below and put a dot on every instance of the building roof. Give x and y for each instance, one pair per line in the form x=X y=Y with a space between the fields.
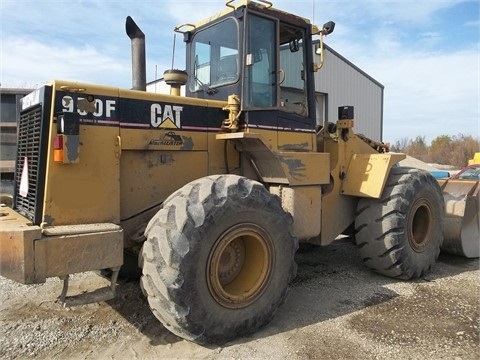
x=15 y=90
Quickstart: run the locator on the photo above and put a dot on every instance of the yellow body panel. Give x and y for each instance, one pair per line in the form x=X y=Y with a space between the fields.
x=87 y=191
x=297 y=141
x=304 y=203
x=269 y=137
x=284 y=167
x=305 y=168
x=217 y=150
x=77 y=192
x=149 y=177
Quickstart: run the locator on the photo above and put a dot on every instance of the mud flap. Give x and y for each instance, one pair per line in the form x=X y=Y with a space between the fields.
x=367 y=174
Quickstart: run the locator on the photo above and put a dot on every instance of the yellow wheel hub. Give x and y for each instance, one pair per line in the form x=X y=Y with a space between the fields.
x=420 y=226
x=239 y=265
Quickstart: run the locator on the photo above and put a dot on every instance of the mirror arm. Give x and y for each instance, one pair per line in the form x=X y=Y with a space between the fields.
x=316 y=66
x=327 y=29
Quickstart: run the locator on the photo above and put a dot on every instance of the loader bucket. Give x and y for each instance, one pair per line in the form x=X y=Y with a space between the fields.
x=462 y=219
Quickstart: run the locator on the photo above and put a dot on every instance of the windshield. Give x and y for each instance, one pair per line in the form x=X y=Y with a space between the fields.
x=215 y=56
x=472 y=173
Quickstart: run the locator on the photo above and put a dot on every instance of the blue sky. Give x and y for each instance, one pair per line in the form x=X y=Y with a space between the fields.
x=425 y=52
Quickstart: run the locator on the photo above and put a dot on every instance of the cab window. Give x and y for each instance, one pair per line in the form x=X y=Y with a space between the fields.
x=261 y=63
x=275 y=66
x=215 y=59
x=293 y=92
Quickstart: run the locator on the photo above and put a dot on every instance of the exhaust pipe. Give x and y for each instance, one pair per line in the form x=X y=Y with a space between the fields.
x=139 y=77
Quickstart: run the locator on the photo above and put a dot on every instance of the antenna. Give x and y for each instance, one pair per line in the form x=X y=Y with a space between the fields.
x=313 y=12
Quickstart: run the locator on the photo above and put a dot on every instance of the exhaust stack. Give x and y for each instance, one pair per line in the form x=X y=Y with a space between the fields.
x=139 y=77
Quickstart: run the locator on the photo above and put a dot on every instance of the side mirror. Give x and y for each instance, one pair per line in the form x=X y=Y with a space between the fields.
x=328 y=28
x=294 y=45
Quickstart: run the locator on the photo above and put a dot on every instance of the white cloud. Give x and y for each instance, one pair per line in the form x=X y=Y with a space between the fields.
x=410 y=11
x=184 y=11
x=430 y=94
x=475 y=23
x=35 y=63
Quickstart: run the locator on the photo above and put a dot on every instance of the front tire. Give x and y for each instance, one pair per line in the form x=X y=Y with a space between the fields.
x=218 y=259
x=400 y=234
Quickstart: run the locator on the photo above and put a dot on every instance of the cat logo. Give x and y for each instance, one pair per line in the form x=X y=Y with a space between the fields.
x=167 y=116
x=169 y=139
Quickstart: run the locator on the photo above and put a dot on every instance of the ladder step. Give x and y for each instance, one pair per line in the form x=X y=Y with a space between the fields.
x=97 y=295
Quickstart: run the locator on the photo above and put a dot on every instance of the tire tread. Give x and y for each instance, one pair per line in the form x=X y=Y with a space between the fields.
x=167 y=249
x=380 y=226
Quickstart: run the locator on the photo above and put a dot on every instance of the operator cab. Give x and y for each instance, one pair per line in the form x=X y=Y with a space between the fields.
x=260 y=53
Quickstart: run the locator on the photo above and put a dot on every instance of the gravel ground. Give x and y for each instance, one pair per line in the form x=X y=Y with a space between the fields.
x=336 y=309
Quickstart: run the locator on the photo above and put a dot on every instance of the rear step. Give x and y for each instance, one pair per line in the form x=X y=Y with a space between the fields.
x=98 y=295
x=462 y=219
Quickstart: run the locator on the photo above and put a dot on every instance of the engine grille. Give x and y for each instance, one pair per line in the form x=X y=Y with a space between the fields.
x=31 y=145
x=29 y=130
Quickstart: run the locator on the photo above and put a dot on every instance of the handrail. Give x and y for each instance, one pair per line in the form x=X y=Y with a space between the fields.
x=177 y=28
x=268 y=4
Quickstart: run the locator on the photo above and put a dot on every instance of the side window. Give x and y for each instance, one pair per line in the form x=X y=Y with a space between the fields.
x=215 y=58
x=293 y=95
x=227 y=70
x=202 y=64
x=261 y=90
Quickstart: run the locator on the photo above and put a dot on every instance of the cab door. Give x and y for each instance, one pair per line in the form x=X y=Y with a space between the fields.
x=275 y=88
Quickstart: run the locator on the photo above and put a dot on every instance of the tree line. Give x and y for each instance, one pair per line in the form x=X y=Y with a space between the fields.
x=444 y=149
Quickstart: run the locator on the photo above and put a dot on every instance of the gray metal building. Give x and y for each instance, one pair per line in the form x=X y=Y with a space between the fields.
x=9 y=116
x=340 y=83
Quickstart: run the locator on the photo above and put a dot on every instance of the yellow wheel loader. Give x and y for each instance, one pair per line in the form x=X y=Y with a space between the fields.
x=212 y=190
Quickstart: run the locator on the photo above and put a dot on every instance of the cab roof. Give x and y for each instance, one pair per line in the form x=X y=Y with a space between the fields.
x=259 y=5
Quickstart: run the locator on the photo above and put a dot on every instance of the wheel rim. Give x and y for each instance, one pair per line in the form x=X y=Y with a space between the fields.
x=239 y=266
x=420 y=225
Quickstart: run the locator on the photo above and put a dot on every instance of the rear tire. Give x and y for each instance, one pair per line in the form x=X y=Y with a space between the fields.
x=218 y=259
x=400 y=234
